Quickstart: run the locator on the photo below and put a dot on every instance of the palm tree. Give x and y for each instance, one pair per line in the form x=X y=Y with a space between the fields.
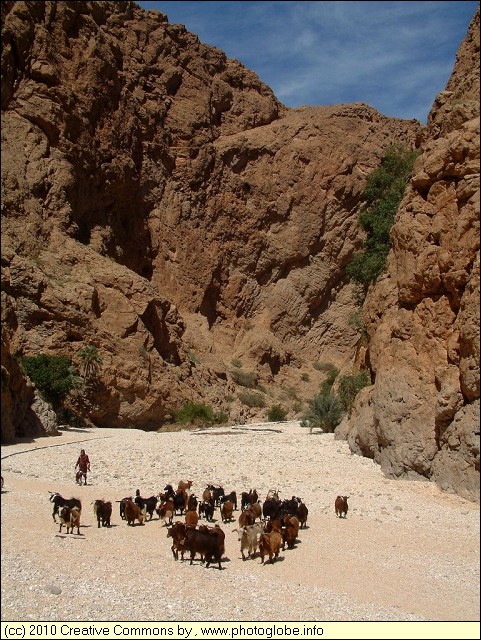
x=324 y=412
x=91 y=361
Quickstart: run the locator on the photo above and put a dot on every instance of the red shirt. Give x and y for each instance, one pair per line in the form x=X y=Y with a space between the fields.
x=83 y=462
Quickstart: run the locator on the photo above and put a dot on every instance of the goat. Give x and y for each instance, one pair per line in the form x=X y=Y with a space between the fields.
x=248 y=537
x=246 y=518
x=59 y=502
x=273 y=525
x=184 y=485
x=290 y=531
x=103 y=512
x=133 y=512
x=302 y=513
x=290 y=506
x=217 y=493
x=256 y=510
x=248 y=498
x=122 y=506
x=165 y=511
x=204 y=543
x=232 y=496
x=70 y=518
x=270 y=544
x=271 y=508
x=215 y=531
x=226 y=511
x=178 y=497
x=206 y=509
x=341 y=506
x=177 y=532
x=192 y=502
x=149 y=504
x=191 y=519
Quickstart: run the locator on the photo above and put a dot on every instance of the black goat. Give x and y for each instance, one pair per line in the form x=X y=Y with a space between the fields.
x=232 y=496
x=179 y=498
x=103 y=512
x=217 y=493
x=149 y=504
x=59 y=502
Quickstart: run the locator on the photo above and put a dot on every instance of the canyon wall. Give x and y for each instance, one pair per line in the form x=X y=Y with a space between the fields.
x=160 y=204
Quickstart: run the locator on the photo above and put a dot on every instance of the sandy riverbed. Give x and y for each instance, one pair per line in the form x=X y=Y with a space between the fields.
x=405 y=552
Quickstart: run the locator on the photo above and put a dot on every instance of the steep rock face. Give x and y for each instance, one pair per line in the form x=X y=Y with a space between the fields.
x=266 y=236
x=159 y=203
x=421 y=417
x=24 y=413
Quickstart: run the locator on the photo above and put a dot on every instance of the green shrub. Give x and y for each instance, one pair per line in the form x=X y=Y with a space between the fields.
x=331 y=374
x=277 y=413
x=289 y=394
x=245 y=378
x=357 y=323
x=193 y=357
x=236 y=363
x=324 y=412
x=53 y=376
x=349 y=387
x=221 y=417
x=382 y=195
x=305 y=377
x=251 y=399
x=323 y=366
x=195 y=412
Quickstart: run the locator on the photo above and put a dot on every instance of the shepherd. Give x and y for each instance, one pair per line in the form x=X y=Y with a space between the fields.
x=83 y=464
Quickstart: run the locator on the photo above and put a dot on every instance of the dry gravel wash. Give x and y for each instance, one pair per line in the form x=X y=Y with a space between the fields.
x=405 y=552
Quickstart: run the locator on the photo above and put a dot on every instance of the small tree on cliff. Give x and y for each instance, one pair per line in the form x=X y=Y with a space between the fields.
x=382 y=196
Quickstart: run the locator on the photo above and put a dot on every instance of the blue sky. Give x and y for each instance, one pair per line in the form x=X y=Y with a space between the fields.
x=396 y=56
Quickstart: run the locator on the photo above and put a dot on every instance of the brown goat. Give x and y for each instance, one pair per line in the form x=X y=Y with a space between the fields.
x=215 y=531
x=191 y=518
x=226 y=511
x=70 y=518
x=270 y=544
x=177 y=533
x=290 y=531
x=341 y=506
x=246 y=518
x=165 y=511
x=133 y=512
x=256 y=509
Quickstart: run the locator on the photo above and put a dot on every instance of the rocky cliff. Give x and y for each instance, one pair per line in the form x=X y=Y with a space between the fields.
x=421 y=416
x=159 y=203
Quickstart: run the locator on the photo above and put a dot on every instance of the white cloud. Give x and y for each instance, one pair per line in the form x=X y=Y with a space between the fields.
x=393 y=55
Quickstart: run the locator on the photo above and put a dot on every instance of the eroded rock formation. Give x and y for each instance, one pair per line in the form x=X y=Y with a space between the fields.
x=421 y=417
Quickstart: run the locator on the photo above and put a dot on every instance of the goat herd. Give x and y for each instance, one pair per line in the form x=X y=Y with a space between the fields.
x=263 y=528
